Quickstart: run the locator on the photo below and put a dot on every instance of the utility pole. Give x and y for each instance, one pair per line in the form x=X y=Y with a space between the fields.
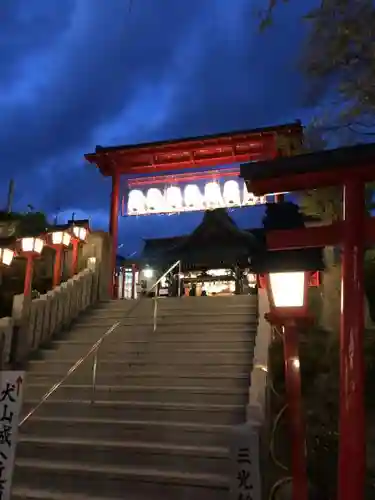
x=10 y=196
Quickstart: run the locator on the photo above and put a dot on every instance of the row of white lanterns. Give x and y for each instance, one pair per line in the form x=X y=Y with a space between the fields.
x=191 y=198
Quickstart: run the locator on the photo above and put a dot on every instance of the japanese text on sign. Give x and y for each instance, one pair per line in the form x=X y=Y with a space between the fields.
x=11 y=383
x=245 y=481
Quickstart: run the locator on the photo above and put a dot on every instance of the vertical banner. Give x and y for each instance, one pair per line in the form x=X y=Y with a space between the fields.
x=245 y=481
x=11 y=392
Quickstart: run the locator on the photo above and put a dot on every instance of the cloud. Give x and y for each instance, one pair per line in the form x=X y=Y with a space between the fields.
x=83 y=72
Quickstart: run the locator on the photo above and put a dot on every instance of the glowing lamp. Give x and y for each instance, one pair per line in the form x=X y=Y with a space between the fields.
x=32 y=245
x=79 y=232
x=155 y=200
x=231 y=193
x=148 y=273
x=6 y=256
x=193 y=197
x=136 y=202
x=212 y=195
x=60 y=238
x=174 y=197
x=287 y=292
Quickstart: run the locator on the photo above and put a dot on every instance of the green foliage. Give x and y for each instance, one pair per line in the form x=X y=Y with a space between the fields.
x=27 y=224
x=339 y=60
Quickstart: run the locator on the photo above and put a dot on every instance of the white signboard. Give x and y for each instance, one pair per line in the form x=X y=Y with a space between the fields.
x=11 y=391
x=244 y=455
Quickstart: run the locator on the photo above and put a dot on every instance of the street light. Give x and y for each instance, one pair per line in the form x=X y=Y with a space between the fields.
x=80 y=233
x=148 y=273
x=287 y=294
x=6 y=256
x=31 y=247
x=60 y=239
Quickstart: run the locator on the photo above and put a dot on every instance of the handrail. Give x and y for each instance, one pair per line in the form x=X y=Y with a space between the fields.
x=95 y=348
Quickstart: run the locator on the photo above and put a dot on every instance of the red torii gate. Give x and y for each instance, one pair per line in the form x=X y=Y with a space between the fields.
x=193 y=153
x=350 y=168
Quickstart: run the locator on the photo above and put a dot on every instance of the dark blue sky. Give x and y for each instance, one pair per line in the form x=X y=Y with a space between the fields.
x=76 y=73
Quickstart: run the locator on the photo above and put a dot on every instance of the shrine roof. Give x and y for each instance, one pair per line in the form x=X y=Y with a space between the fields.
x=281 y=171
x=288 y=127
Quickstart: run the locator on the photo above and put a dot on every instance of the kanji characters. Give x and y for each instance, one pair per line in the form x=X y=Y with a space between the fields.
x=7 y=393
x=7 y=415
x=6 y=435
x=244 y=482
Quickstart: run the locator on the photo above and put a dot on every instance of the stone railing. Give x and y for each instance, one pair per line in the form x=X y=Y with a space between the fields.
x=36 y=321
x=249 y=442
x=6 y=332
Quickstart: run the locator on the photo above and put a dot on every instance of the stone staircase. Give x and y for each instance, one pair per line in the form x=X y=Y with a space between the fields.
x=164 y=405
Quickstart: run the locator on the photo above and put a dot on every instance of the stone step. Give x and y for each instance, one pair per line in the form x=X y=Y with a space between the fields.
x=128 y=430
x=195 y=395
x=173 y=319
x=154 y=343
x=141 y=365
x=135 y=410
x=165 y=313
x=149 y=379
x=183 y=332
x=171 y=305
x=116 y=453
x=31 y=494
x=190 y=356
x=119 y=482
x=193 y=302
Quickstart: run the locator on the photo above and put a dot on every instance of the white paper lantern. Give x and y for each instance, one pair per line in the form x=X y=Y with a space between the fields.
x=136 y=202
x=155 y=200
x=251 y=199
x=212 y=195
x=174 y=198
x=193 y=197
x=231 y=193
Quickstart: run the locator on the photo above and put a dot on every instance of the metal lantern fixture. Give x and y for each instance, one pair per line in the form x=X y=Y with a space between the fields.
x=287 y=293
x=32 y=245
x=60 y=238
x=79 y=232
x=6 y=256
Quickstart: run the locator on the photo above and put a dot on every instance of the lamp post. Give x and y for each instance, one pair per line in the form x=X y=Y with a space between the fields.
x=59 y=240
x=78 y=236
x=31 y=247
x=287 y=294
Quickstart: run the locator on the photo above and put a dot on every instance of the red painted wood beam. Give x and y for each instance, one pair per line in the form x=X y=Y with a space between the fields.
x=313 y=237
x=308 y=180
x=307 y=237
x=184 y=177
x=151 y=164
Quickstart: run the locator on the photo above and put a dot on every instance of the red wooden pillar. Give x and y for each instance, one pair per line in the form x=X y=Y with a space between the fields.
x=27 y=286
x=296 y=419
x=57 y=266
x=113 y=228
x=352 y=414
